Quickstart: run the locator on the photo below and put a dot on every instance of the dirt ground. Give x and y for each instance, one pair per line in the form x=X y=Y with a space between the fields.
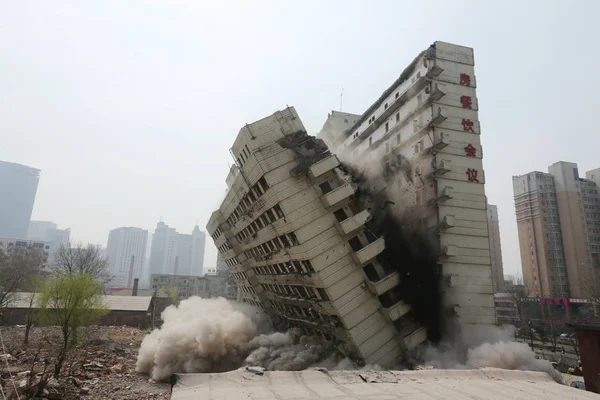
x=101 y=367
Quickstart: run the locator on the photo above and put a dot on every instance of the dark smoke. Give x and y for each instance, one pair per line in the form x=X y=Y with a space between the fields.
x=409 y=247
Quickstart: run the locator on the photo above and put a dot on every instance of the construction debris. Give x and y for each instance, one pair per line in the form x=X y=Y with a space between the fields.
x=101 y=368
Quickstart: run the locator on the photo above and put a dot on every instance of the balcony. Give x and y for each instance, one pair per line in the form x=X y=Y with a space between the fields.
x=369 y=252
x=442 y=167
x=353 y=223
x=338 y=195
x=441 y=140
x=321 y=167
x=415 y=338
x=397 y=311
x=447 y=194
x=383 y=285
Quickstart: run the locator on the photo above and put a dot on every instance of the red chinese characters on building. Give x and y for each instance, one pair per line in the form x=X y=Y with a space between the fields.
x=467 y=125
x=465 y=79
x=466 y=102
x=472 y=175
x=470 y=150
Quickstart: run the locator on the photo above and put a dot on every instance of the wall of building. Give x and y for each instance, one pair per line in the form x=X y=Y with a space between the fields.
x=495 y=249
x=589 y=350
x=18 y=187
x=125 y=252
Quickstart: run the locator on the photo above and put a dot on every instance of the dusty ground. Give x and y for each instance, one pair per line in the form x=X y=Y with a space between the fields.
x=103 y=367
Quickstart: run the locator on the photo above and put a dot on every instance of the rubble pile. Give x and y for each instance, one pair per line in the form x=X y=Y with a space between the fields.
x=101 y=367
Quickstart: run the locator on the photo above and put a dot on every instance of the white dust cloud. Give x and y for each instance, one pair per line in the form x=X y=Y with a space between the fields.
x=215 y=335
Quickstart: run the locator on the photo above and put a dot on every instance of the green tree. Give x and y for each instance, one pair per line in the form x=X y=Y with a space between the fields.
x=70 y=302
x=173 y=294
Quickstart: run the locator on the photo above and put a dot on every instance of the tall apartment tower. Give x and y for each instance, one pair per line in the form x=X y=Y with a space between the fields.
x=495 y=249
x=300 y=242
x=175 y=253
x=558 y=221
x=427 y=123
x=18 y=187
x=125 y=252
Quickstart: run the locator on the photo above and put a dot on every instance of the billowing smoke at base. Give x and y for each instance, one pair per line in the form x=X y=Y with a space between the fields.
x=215 y=335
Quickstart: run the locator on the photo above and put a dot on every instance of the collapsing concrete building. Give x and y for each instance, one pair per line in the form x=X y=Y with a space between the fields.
x=326 y=246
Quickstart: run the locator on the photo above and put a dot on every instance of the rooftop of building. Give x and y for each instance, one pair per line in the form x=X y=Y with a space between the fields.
x=587 y=323
x=112 y=303
x=314 y=384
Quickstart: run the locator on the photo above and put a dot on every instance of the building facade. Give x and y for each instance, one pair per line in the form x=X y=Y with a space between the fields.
x=426 y=124
x=48 y=232
x=495 y=249
x=125 y=252
x=208 y=286
x=300 y=243
x=558 y=220
x=18 y=187
x=174 y=253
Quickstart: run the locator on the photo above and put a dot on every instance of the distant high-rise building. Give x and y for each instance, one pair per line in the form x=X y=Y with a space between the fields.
x=18 y=186
x=175 y=253
x=495 y=249
x=48 y=232
x=558 y=219
x=125 y=252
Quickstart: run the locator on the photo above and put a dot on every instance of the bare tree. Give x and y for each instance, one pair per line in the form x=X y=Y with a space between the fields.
x=519 y=293
x=81 y=259
x=592 y=287
x=18 y=266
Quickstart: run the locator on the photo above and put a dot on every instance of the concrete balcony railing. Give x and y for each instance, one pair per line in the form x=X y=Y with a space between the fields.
x=397 y=311
x=369 y=252
x=228 y=254
x=325 y=165
x=337 y=195
x=353 y=223
x=383 y=285
x=414 y=339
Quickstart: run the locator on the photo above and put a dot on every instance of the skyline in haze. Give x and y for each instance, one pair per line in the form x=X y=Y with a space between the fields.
x=128 y=109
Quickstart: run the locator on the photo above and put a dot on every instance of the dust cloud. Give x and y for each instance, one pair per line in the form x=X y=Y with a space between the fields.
x=215 y=335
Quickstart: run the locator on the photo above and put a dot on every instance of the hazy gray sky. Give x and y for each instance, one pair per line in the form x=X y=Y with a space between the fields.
x=129 y=107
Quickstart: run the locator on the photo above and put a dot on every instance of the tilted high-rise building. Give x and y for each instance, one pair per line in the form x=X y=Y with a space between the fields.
x=301 y=242
x=426 y=124
x=495 y=249
x=18 y=187
x=558 y=220
x=125 y=252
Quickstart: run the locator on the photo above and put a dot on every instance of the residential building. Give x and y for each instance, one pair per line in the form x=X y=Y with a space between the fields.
x=48 y=231
x=558 y=220
x=426 y=127
x=208 y=286
x=24 y=244
x=125 y=252
x=18 y=187
x=174 y=253
x=301 y=242
x=336 y=122
x=495 y=249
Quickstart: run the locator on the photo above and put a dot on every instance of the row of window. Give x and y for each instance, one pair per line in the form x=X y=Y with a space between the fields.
x=239 y=275
x=216 y=233
x=248 y=200
x=244 y=156
x=224 y=247
x=253 y=302
x=385 y=107
x=266 y=218
x=292 y=267
x=308 y=314
x=232 y=261
x=286 y=240
x=295 y=291
x=246 y=289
